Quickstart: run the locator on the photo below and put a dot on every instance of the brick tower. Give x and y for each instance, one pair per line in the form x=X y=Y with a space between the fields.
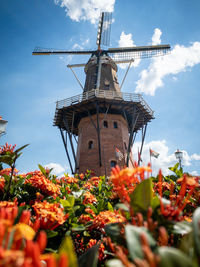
x=105 y=120
x=102 y=122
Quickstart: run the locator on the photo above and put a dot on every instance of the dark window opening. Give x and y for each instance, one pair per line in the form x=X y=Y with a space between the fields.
x=115 y=125
x=125 y=146
x=105 y=124
x=90 y=145
x=106 y=87
x=113 y=163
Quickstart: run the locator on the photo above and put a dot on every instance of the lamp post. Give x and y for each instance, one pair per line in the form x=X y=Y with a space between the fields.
x=179 y=156
x=3 y=124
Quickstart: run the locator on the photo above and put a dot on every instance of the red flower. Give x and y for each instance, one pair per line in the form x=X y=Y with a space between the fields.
x=124 y=181
x=51 y=215
x=46 y=186
x=89 y=198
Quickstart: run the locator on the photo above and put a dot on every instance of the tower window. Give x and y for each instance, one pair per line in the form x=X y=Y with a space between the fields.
x=125 y=146
x=115 y=125
x=113 y=163
x=105 y=124
x=90 y=145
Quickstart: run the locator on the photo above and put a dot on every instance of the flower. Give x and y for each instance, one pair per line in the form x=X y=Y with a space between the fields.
x=84 y=218
x=7 y=148
x=173 y=210
x=89 y=198
x=124 y=181
x=23 y=230
x=46 y=186
x=7 y=171
x=189 y=180
x=69 y=180
x=2 y=183
x=106 y=217
x=51 y=215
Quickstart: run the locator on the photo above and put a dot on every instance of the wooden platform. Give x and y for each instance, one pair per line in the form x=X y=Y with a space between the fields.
x=112 y=102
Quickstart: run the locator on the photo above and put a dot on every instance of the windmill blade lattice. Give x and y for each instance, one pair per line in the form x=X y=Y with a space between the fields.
x=103 y=33
x=51 y=51
x=128 y=53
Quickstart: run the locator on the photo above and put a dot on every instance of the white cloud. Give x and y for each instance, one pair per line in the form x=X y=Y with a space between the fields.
x=57 y=168
x=165 y=159
x=127 y=41
x=156 y=37
x=194 y=173
x=86 y=9
x=195 y=156
x=180 y=59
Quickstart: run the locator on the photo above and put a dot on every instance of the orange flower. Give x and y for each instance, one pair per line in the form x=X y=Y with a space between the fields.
x=69 y=180
x=46 y=186
x=7 y=148
x=106 y=217
x=189 y=180
x=51 y=215
x=94 y=180
x=173 y=210
x=84 y=218
x=88 y=186
x=7 y=171
x=89 y=198
x=2 y=183
x=23 y=230
x=124 y=181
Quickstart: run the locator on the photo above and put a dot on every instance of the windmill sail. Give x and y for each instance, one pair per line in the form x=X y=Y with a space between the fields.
x=103 y=33
x=136 y=52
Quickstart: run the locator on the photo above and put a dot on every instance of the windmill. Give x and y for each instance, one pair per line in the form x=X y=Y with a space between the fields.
x=102 y=117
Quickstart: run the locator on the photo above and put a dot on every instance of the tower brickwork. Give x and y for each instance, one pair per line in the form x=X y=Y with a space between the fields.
x=113 y=134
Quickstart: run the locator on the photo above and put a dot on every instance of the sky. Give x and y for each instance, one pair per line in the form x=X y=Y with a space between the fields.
x=31 y=85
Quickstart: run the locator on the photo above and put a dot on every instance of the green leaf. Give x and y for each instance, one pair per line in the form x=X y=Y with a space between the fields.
x=122 y=206
x=155 y=202
x=142 y=196
x=71 y=200
x=67 y=247
x=11 y=238
x=22 y=147
x=92 y=208
x=100 y=205
x=110 y=207
x=113 y=230
x=7 y=159
x=78 y=228
x=51 y=233
x=90 y=258
x=196 y=229
x=114 y=263
x=42 y=169
x=65 y=203
x=182 y=228
x=172 y=257
x=133 y=239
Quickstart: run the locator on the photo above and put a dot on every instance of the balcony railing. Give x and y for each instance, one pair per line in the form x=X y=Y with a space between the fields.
x=95 y=93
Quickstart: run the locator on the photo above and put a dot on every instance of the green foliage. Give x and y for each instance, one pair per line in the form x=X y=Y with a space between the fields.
x=133 y=239
x=90 y=258
x=172 y=257
x=73 y=235
x=143 y=196
x=68 y=248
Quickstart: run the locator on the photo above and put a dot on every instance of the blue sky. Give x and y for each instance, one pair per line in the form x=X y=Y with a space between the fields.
x=30 y=85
